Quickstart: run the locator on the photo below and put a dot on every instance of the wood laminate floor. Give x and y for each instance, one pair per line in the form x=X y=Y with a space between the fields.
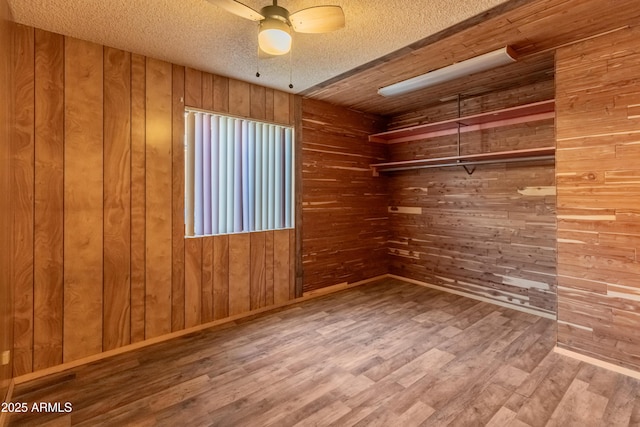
x=387 y=354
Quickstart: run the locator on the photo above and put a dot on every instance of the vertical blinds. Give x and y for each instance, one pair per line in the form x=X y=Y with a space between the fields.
x=238 y=175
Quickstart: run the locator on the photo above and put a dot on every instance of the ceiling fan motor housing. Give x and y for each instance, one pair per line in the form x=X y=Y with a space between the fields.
x=276 y=12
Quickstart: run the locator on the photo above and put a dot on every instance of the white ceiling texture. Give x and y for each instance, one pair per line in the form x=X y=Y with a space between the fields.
x=198 y=34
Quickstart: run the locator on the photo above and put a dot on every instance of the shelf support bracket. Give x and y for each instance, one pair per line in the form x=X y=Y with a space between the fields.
x=469 y=171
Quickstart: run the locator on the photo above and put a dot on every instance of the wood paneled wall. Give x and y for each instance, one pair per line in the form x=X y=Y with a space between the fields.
x=344 y=215
x=98 y=199
x=490 y=234
x=6 y=294
x=598 y=175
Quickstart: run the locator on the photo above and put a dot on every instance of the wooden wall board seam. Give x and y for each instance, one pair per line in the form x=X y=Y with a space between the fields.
x=178 y=232
x=138 y=197
x=48 y=199
x=158 y=200
x=22 y=189
x=117 y=199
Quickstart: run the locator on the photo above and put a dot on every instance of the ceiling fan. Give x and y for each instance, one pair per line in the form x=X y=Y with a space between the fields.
x=276 y=23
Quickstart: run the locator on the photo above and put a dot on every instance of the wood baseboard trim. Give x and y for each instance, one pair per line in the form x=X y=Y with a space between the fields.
x=597 y=362
x=472 y=296
x=131 y=347
x=342 y=286
x=4 y=416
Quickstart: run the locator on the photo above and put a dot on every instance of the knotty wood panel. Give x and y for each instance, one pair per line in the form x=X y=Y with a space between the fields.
x=239 y=273
x=49 y=189
x=117 y=198
x=491 y=233
x=83 y=199
x=138 y=196
x=597 y=140
x=22 y=174
x=158 y=198
x=6 y=221
x=108 y=181
x=343 y=206
x=533 y=28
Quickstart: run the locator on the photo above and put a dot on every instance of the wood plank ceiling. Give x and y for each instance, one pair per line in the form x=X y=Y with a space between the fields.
x=533 y=28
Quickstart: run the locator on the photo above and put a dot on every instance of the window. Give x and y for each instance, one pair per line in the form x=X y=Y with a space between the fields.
x=238 y=175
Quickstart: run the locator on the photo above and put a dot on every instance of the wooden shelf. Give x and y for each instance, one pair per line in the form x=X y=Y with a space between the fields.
x=508 y=116
x=533 y=154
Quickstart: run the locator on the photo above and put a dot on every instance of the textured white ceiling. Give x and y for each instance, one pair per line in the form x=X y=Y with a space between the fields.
x=200 y=35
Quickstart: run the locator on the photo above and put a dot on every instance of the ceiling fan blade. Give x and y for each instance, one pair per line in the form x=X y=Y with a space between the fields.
x=238 y=8
x=318 y=19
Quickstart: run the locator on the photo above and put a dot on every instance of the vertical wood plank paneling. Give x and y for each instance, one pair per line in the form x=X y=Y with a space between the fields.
x=99 y=142
x=258 y=274
x=49 y=190
x=193 y=88
x=207 y=279
x=6 y=223
x=258 y=102
x=117 y=198
x=281 y=107
x=292 y=264
x=269 y=104
x=138 y=196
x=220 y=277
x=158 y=198
x=220 y=94
x=268 y=269
x=239 y=273
x=22 y=196
x=177 y=200
x=281 y=266
x=193 y=282
x=207 y=91
x=239 y=98
x=83 y=199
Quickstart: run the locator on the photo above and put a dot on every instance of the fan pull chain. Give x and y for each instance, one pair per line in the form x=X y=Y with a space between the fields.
x=290 y=69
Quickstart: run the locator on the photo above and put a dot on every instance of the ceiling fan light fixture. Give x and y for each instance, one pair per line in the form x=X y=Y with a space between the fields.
x=274 y=37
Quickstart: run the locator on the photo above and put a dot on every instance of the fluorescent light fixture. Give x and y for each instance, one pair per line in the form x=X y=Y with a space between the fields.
x=490 y=60
x=274 y=37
